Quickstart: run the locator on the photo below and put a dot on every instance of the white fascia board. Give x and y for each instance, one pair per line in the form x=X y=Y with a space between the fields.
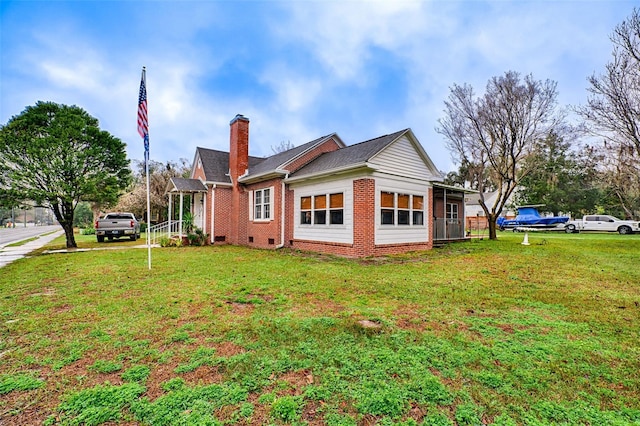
x=337 y=170
x=263 y=176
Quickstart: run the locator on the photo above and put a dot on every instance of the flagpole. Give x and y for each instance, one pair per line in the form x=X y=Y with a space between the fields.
x=143 y=130
x=146 y=166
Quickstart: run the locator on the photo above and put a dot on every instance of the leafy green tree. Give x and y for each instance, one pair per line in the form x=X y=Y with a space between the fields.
x=83 y=215
x=57 y=156
x=562 y=179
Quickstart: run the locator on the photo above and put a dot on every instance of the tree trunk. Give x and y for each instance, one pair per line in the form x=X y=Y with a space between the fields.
x=491 y=219
x=68 y=233
x=64 y=215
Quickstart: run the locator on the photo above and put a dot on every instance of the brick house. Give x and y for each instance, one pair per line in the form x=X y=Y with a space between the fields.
x=377 y=197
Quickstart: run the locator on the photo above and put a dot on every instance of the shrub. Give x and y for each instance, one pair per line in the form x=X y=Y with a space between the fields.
x=87 y=231
x=197 y=237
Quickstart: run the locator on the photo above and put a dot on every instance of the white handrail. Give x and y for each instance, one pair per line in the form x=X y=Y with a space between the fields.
x=164 y=230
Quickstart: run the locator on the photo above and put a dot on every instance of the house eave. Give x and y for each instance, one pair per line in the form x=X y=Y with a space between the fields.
x=271 y=174
x=338 y=170
x=438 y=184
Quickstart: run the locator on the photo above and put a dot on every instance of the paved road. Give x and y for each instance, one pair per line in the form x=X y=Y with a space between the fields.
x=13 y=235
x=19 y=233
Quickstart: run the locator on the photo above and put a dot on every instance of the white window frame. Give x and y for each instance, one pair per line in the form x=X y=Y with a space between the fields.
x=452 y=214
x=327 y=210
x=395 y=209
x=266 y=214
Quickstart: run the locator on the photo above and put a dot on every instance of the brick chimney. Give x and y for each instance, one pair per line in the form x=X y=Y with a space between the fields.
x=239 y=147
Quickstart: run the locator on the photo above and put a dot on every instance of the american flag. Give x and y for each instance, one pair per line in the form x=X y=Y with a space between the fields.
x=143 y=123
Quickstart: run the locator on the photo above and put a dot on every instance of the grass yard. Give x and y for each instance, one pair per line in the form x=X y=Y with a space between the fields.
x=469 y=334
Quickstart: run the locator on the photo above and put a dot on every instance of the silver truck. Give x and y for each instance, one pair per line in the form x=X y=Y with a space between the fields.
x=602 y=223
x=116 y=225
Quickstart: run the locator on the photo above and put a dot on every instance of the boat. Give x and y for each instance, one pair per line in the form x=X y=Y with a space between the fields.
x=529 y=217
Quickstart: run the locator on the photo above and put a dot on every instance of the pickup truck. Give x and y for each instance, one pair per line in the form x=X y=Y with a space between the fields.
x=116 y=225
x=602 y=223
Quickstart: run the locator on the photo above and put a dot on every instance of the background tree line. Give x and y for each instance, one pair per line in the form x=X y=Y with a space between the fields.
x=516 y=141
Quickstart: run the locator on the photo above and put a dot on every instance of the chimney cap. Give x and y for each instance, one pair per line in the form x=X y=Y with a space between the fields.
x=238 y=117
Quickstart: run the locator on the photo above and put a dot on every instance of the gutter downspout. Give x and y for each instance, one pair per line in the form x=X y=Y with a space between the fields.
x=282 y=215
x=213 y=197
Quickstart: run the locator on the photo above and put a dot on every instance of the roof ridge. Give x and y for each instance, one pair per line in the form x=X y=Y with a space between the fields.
x=379 y=137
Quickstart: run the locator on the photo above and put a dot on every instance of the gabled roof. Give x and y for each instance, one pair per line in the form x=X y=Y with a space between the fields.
x=216 y=164
x=177 y=184
x=352 y=155
x=278 y=163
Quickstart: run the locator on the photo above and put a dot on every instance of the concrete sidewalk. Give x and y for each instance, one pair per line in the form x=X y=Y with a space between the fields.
x=9 y=254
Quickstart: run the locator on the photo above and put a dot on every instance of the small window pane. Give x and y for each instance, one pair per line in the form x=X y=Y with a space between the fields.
x=387 y=217
x=418 y=202
x=305 y=203
x=336 y=217
x=403 y=201
x=336 y=201
x=320 y=202
x=418 y=217
x=267 y=195
x=320 y=217
x=403 y=217
x=258 y=197
x=258 y=212
x=267 y=211
x=386 y=199
x=305 y=218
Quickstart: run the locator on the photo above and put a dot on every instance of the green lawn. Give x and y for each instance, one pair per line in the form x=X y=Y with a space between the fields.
x=485 y=332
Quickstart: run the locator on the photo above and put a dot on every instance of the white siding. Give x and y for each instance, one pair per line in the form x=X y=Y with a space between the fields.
x=328 y=233
x=394 y=234
x=402 y=158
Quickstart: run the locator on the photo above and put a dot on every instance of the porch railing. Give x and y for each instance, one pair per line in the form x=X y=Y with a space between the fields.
x=448 y=229
x=164 y=230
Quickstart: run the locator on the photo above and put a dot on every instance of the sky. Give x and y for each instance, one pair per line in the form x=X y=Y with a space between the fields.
x=297 y=69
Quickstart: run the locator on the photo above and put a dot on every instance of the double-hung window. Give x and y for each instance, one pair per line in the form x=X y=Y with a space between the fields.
x=322 y=209
x=262 y=204
x=401 y=209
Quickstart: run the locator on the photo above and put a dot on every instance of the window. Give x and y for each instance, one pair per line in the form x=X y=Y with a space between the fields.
x=262 y=204
x=418 y=210
x=401 y=209
x=305 y=210
x=337 y=208
x=452 y=212
x=387 y=204
x=322 y=209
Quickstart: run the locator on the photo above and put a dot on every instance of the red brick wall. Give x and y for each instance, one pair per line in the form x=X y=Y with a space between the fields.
x=262 y=232
x=364 y=216
x=222 y=219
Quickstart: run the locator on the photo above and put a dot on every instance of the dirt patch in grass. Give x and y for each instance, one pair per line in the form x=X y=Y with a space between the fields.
x=228 y=349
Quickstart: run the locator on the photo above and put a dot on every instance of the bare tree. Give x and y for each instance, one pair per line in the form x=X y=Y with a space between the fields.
x=135 y=200
x=613 y=106
x=497 y=131
x=620 y=181
x=282 y=147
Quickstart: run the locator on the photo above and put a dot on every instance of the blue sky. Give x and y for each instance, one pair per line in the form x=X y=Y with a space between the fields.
x=297 y=69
